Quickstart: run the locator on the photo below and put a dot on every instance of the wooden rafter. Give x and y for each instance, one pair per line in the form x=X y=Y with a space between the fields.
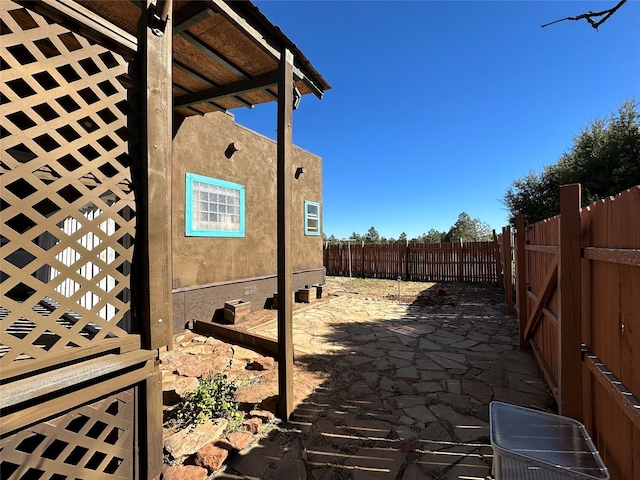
x=260 y=82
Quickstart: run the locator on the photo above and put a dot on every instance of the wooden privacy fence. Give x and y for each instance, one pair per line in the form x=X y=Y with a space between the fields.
x=578 y=302
x=433 y=262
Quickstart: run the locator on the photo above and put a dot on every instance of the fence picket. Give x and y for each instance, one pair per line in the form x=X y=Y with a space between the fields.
x=432 y=262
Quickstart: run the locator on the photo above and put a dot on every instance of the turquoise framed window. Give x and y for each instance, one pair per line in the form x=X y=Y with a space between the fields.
x=214 y=208
x=311 y=218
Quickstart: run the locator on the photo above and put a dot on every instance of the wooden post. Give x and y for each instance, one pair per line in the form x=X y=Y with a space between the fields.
x=521 y=279
x=508 y=282
x=151 y=429
x=363 y=262
x=498 y=261
x=406 y=261
x=570 y=304
x=285 y=271
x=460 y=262
x=155 y=221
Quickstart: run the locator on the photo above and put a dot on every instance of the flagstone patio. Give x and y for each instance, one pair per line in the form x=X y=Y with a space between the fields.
x=408 y=390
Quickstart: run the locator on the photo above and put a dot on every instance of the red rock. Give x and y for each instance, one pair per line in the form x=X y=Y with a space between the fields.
x=253 y=425
x=239 y=440
x=263 y=415
x=270 y=404
x=211 y=457
x=189 y=472
x=199 y=365
x=263 y=363
x=439 y=291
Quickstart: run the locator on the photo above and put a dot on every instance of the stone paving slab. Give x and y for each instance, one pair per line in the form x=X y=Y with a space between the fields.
x=409 y=390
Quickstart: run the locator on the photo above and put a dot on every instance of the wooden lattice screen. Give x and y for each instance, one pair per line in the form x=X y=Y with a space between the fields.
x=69 y=109
x=95 y=441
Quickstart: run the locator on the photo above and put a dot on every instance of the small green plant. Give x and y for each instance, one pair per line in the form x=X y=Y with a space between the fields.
x=214 y=398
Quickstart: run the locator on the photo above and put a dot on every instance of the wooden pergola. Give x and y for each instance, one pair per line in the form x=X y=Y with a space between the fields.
x=222 y=56
x=152 y=63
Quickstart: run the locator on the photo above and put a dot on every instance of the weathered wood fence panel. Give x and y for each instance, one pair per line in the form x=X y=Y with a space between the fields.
x=583 y=318
x=432 y=262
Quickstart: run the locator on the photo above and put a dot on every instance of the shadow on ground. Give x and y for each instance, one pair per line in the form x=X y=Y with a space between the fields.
x=407 y=393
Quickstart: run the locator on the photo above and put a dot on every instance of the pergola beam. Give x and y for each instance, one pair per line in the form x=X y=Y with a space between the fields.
x=260 y=82
x=258 y=39
x=204 y=48
x=200 y=78
x=189 y=15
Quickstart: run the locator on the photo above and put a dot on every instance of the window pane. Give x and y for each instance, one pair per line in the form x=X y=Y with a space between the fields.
x=216 y=206
x=312 y=210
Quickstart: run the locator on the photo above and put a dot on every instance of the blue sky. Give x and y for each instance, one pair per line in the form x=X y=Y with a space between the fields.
x=437 y=107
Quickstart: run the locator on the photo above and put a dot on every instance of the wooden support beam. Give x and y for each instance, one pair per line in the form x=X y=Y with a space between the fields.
x=548 y=285
x=90 y=24
x=151 y=424
x=259 y=82
x=459 y=248
x=189 y=15
x=285 y=272
x=496 y=246
x=621 y=256
x=570 y=304
x=192 y=73
x=542 y=248
x=521 y=279
x=506 y=256
x=155 y=222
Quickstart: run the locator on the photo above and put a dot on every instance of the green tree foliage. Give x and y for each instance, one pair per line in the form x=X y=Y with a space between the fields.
x=604 y=158
x=468 y=229
x=402 y=238
x=372 y=236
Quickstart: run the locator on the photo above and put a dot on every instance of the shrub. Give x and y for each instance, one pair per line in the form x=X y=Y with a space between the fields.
x=214 y=398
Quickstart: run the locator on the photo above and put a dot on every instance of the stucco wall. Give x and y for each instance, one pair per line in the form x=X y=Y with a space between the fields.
x=199 y=147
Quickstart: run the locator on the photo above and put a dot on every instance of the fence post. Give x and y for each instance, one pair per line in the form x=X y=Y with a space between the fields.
x=521 y=279
x=496 y=253
x=363 y=262
x=570 y=304
x=460 y=264
x=508 y=282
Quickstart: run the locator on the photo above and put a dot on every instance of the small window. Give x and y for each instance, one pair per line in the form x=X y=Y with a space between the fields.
x=311 y=218
x=214 y=208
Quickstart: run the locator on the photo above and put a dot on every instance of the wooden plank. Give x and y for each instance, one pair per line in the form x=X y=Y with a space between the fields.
x=542 y=248
x=622 y=397
x=624 y=256
x=93 y=25
x=259 y=343
x=570 y=304
x=498 y=261
x=459 y=253
x=546 y=371
x=521 y=286
x=27 y=416
x=35 y=386
x=285 y=272
x=508 y=282
x=151 y=428
x=72 y=355
x=548 y=285
x=156 y=224
x=240 y=87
